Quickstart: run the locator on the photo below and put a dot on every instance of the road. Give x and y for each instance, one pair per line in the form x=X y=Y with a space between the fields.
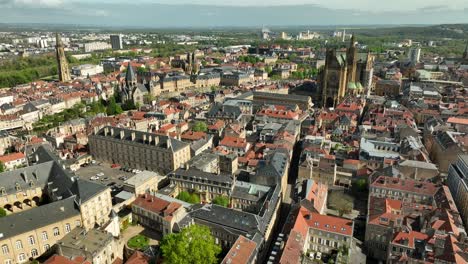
x=282 y=219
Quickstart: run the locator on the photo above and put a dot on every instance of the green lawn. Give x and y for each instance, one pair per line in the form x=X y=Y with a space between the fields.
x=139 y=242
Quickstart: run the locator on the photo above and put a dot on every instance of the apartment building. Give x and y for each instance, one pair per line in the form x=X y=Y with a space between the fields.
x=156 y=213
x=458 y=184
x=207 y=185
x=136 y=149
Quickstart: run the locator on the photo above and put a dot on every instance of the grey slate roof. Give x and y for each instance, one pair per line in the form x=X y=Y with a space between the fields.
x=139 y=136
x=38 y=217
x=194 y=173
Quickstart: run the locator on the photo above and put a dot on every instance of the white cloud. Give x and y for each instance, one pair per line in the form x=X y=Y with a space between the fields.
x=35 y=3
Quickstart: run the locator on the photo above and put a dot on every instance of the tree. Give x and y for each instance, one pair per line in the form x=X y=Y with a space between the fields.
x=359 y=185
x=194 y=244
x=192 y=198
x=341 y=202
x=221 y=200
x=2 y=167
x=200 y=127
x=113 y=108
x=2 y=212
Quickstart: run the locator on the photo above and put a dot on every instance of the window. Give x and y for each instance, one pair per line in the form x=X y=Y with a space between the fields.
x=46 y=247
x=18 y=244
x=44 y=236
x=31 y=240
x=34 y=253
x=8 y=261
x=5 y=249
x=67 y=228
x=21 y=257
x=77 y=223
x=56 y=231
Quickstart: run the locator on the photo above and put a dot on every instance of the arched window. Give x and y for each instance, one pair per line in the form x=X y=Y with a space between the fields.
x=31 y=240
x=18 y=244
x=46 y=247
x=44 y=236
x=34 y=253
x=21 y=258
x=56 y=231
x=67 y=228
x=5 y=249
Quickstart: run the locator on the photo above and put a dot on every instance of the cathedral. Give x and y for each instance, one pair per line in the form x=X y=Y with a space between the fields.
x=63 y=71
x=132 y=90
x=345 y=73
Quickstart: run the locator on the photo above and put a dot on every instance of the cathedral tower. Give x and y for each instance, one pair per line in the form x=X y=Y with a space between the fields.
x=63 y=71
x=465 y=54
x=351 y=60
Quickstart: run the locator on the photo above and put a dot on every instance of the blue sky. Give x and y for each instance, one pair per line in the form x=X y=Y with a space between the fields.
x=208 y=13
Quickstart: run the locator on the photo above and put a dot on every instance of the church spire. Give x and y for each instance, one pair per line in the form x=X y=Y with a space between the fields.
x=130 y=76
x=63 y=71
x=353 y=41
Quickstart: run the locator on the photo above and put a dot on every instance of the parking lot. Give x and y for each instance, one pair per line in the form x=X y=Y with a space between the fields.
x=109 y=175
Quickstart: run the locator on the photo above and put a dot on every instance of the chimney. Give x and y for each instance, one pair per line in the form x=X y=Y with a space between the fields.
x=187 y=166
x=168 y=142
x=122 y=134
x=133 y=136
x=96 y=130
x=156 y=140
x=25 y=177
x=106 y=131
x=150 y=139
x=144 y=138
x=112 y=131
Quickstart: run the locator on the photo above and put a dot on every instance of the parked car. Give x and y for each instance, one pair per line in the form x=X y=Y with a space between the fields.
x=100 y=174
x=105 y=179
x=94 y=178
x=111 y=184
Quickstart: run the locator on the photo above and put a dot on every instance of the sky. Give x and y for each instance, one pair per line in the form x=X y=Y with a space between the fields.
x=211 y=13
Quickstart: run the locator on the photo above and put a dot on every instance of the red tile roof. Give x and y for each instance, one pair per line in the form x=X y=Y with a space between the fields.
x=138 y=258
x=157 y=205
x=56 y=259
x=241 y=251
x=458 y=120
x=12 y=157
x=408 y=238
x=233 y=142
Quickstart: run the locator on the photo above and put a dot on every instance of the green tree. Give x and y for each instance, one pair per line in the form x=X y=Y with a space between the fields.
x=341 y=202
x=2 y=212
x=200 y=127
x=113 y=108
x=221 y=200
x=194 y=244
x=192 y=198
x=2 y=167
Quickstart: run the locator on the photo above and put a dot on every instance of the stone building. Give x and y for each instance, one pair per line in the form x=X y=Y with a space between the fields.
x=63 y=70
x=342 y=70
x=140 y=150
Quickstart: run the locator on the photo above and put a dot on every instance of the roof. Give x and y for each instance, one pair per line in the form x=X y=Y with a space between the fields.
x=243 y=251
x=325 y=223
x=157 y=205
x=191 y=174
x=11 y=157
x=249 y=191
x=56 y=259
x=124 y=134
x=138 y=258
x=86 y=241
x=37 y=217
x=405 y=185
x=142 y=177
x=409 y=239
x=458 y=120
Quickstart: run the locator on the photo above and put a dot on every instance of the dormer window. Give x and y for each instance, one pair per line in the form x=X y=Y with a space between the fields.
x=17 y=187
x=2 y=191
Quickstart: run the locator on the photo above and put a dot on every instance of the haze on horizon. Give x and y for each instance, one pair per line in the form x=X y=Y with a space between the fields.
x=211 y=13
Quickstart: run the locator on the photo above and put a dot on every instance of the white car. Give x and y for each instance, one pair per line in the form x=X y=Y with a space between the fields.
x=94 y=178
x=311 y=255
x=318 y=255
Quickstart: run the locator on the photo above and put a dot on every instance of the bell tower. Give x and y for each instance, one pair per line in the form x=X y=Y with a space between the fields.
x=62 y=64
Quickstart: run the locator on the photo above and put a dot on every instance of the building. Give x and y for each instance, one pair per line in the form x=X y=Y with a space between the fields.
x=244 y=251
x=13 y=160
x=116 y=42
x=143 y=182
x=343 y=70
x=387 y=88
x=31 y=227
x=303 y=102
x=235 y=78
x=93 y=46
x=458 y=184
x=87 y=70
x=96 y=246
x=249 y=197
x=313 y=232
x=63 y=70
x=158 y=214
x=414 y=55
x=207 y=185
x=140 y=150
